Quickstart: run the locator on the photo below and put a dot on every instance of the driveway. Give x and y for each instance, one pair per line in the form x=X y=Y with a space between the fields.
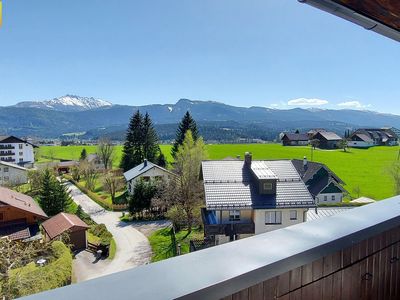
x=133 y=248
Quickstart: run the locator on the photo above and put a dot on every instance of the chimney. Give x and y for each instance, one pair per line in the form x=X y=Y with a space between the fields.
x=145 y=162
x=305 y=163
x=247 y=158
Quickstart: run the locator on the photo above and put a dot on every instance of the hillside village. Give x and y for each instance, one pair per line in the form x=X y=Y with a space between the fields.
x=199 y=202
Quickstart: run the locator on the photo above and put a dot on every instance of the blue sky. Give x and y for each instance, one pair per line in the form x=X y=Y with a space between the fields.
x=272 y=53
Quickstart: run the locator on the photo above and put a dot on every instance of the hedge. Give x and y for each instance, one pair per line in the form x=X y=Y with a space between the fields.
x=92 y=195
x=33 y=279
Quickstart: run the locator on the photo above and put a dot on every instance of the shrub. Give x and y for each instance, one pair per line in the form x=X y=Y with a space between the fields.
x=32 y=279
x=100 y=230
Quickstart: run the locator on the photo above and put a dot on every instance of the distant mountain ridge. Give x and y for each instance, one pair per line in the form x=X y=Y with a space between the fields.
x=217 y=121
x=66 y=103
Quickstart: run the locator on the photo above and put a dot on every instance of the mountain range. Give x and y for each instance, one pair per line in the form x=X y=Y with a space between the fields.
x=217 y=121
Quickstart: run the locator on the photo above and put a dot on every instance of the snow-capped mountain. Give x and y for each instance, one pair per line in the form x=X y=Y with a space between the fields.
x=67 y=103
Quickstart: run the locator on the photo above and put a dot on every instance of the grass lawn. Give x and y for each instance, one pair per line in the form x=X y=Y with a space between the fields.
x=366 y=168
x=162 y=246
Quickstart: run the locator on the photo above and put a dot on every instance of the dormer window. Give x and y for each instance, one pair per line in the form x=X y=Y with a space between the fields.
x=267 y=186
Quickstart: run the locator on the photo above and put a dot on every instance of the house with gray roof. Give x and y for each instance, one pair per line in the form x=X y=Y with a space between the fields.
x=243 y=198
x=295 y=139
x=327 y=139
x=368 y=137
x=146 y=171
x=322 y=183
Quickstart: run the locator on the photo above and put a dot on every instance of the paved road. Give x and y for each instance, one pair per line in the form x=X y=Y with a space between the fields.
x=133 y=248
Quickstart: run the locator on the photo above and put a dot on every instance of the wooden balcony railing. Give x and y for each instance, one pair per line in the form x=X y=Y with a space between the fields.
x=352 y=255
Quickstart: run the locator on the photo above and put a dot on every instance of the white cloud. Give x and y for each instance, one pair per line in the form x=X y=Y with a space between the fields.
x=354 y=104
x=307 y=102
x=274 y=105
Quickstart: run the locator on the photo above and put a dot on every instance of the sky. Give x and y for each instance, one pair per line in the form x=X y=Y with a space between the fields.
x=270 y=53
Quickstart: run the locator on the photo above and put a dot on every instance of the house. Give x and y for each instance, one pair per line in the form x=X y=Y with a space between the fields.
x=323 y=184
x=95 y=160
x=19 y=215
x=295 y=139
x=248 y=197
x=12 y=174
x=16 y=150
x=367 y=137
x=312 y=132
x=360 y=140
x=65 y=167
x=327 y=139
x=146 y=171
x=66 y=223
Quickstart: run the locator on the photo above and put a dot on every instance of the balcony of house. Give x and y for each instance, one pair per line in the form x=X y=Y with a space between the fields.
x=6 y=147
x=7 y=153
x=7 y=159
x=352 y=255
x=216 y=224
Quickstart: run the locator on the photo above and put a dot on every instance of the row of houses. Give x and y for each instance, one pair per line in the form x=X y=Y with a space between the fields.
x=247 y=197
x=361 y=138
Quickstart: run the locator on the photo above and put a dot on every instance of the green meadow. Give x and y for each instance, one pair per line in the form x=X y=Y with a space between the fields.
x=366 y=169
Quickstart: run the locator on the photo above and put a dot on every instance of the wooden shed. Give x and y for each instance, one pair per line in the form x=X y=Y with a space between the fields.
x=67 y=223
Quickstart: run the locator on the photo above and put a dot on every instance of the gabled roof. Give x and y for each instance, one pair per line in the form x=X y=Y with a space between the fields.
x=296 y=136
x=142 y=168
x=14 y=139
x=363 y=137
x=21 y=201
x=312 y=169
x=329 y=136
x=61 y=223
x=11 y=165
x=231 y=184
x=68 y=163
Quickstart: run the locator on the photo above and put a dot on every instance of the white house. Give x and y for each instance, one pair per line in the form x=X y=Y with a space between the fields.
x=16 y=150
x=12 y=174
x=146 y=171
x=360 y=140
x=248 y=197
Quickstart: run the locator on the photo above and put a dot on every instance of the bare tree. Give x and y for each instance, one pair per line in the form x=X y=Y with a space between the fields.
x=357 y=190
x=105 y=151
x=394 y=171
x=112 y=184
x=343 y=145
x=314 y=143
x=15 y=255
x=89 y=174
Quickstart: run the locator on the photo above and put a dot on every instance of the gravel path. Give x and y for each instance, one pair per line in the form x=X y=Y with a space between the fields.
x=133 y=248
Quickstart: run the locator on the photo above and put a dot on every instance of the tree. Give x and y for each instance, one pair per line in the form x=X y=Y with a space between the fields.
x=89 y=174
x=112 y=184
x=143 y=193
x=76 y=173
x=105 y=151
x=394 y=171
x=83 y=154
x=150 y=139
x=161 y=161
x=14 y=255
x=187 y=123
x=186 y=190
x=343 y=144
x=297 y=131
x=53 y=196
x=35 y=180
x=314 y=143
x=357 y=190
x=132 y=153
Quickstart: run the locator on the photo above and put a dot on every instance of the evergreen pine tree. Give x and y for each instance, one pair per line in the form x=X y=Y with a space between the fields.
x=161 y=161
x=187 y=123
x=132 y=153
x=150 y=139
x=83 y=154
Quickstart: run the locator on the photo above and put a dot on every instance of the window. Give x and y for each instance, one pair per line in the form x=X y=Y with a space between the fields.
x=21 y=160
x=293 y=215
x=5 y=169
x=6 y=178
x=325 y=198
x=333 y=197
x=21 y=154
x=234 y=215
x=273 y=217
x=1 y=216
x=267 y=186
x=146 y=178
x=20 y=146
